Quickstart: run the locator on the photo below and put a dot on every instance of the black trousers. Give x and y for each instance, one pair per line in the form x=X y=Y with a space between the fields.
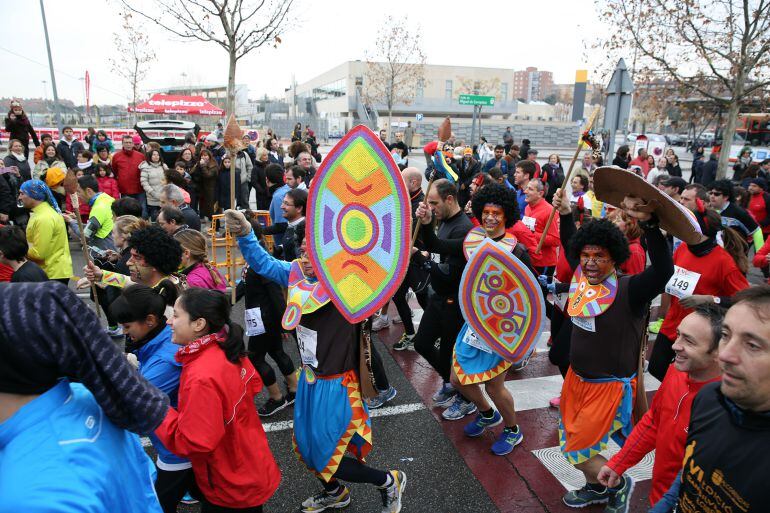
x=442 y=320
x=561 y=334
x=381 y=381
x=171 y=485
x=661 y=356
x=270 y=343
x=353 y=471
x=402 y=305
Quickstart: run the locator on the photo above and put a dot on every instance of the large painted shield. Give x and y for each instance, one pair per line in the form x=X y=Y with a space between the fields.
x=359 y=225
x=501 y=301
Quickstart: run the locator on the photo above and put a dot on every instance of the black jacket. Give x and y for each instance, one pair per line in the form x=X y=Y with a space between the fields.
x=7 y=196
x=708 y=172
x=69 y=152
x=446 y=275
x=20 y=128
x=24 y=170
x=259 y=182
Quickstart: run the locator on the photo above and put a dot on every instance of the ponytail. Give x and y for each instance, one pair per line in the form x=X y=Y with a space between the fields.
x=233 y=345
x=736 y=246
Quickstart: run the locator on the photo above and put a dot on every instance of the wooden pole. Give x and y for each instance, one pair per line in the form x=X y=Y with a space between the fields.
x=230 y=240
x=567 y=177
x=425 y=202
x=84 y=246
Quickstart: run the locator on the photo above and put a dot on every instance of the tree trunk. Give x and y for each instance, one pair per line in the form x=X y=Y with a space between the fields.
x=230 y=106
x=727 y=138
x=390 y=123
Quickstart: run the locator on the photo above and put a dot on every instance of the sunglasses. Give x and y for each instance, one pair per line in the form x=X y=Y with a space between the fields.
x=715 y=193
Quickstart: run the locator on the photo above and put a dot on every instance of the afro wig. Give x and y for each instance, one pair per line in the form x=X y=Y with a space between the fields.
x=499 y=195
x=159 y=249
x=604 y=233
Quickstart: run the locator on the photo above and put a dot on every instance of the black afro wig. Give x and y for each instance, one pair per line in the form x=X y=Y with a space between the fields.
x=499 y=195
x=159 y=249
x=604 y=233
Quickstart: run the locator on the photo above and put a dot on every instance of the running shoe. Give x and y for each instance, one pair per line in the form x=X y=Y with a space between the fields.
x=585 y=497
x=380 y=322
x=404 y=343
x=324 y=500
x=620 y=499
x=478 y=425
x=290 y=397
x=507 y=440
x=382 y=397
x=115 y=331
x=654 y=326
x=555 y=402
x=188 y=499
x=445 y=395
x=391 y=495
x=459 y=409
x=272 y=406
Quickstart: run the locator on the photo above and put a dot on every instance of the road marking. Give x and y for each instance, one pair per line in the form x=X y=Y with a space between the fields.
x=283 y=425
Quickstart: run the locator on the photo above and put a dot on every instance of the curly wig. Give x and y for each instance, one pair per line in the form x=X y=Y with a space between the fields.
x=604 y=233
x=499 y=195
x=158 y=248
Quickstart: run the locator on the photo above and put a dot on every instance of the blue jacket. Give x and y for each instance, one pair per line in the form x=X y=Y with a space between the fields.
x=60 y=453
x=492 y=163
x=158 y=366
x=276 y=214
x=521 y=198
x=262 y=262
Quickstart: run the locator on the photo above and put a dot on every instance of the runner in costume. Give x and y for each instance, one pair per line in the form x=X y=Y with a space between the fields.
x=330 y=417
x=473 y=361
x=608 y=313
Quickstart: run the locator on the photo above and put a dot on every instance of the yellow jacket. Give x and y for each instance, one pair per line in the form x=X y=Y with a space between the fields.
x=48 y=244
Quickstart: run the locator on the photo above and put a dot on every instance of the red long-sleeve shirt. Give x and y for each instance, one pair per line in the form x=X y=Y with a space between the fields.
x=125 y=166
x=719 y=276
x=760 y=258
x=663 y=428
x=549 y=253
x=637 y=261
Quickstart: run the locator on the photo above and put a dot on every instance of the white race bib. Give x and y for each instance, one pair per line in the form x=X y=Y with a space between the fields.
x=473 y=340
x=682 y=283
x=307 y=340
x=253 y=321
x=585 y=323
x=529 y=222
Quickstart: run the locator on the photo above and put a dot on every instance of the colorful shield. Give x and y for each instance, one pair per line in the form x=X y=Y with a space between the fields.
x=502 y=301
x=359 y=225
x=303 y=296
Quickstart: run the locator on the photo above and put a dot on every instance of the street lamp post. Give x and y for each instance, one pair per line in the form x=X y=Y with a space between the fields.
x=57 y=112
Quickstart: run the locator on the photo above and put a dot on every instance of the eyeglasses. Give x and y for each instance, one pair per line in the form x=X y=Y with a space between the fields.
x=596 y=260
x=715 y=193
x=492 y=215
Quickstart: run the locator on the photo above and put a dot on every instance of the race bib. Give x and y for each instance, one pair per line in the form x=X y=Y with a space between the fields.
x=307 y=340
x=253 y=321
x=529 y=222
x=585 y=323
x=473 y=340
x=682 y=283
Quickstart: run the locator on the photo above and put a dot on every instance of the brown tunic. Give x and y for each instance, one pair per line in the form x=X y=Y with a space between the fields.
x=613 y=349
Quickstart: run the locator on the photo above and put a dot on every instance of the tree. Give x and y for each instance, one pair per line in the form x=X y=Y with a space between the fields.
x=238 y=26
x=134 y=54
x=395 y=67
x=718 y=50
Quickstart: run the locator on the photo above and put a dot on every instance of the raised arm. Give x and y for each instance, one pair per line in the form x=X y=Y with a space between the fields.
x=258 y=259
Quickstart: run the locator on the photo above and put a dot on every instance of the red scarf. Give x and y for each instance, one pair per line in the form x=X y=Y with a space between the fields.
x=200 y=344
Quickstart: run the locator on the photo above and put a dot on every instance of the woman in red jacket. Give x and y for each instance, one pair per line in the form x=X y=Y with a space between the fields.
x=630 y=228
x=216 y=425
x=107 y=182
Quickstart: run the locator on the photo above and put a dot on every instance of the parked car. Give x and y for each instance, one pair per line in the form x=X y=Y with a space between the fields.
x=676 y=139
x=169 y=133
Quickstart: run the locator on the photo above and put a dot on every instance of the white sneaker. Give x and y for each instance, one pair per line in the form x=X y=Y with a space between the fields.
x=380 y=322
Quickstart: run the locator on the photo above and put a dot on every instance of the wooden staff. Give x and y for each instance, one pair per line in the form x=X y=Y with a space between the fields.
x=84 y=245
x=417 y=221
x=233 y=154
x=567 y=177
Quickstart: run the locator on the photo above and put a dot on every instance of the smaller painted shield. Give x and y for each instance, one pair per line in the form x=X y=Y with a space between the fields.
x=359 y=224
x=501 y=301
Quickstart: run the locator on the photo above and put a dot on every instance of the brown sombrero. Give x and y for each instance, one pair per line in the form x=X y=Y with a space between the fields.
x=612 y=184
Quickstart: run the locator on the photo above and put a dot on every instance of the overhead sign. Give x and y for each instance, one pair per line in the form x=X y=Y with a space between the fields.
x=475 y=99
x=418 y=116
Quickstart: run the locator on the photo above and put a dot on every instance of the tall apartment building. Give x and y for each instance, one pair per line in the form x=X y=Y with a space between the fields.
x=531 y=84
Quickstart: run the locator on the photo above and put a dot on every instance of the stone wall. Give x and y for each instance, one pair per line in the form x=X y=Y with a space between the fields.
x=543 y=135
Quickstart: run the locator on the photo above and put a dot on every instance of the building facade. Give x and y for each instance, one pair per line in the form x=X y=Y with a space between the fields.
x=532 y=84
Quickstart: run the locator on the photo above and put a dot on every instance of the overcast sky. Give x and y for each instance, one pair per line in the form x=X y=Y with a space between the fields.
x=548 y=34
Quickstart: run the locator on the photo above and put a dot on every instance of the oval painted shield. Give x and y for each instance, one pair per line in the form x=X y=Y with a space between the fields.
x=359 y=225
x=501 y=301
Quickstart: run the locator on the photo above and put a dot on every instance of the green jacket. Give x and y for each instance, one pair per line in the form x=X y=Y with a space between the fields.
x=48 y=243
x=101 y=210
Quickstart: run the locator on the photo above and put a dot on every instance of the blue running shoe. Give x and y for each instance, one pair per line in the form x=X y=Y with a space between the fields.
x=445 y=395
x=507 y=440
x=478 y=425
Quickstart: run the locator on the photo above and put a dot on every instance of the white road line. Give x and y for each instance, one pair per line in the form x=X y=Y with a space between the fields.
x=283 y=425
